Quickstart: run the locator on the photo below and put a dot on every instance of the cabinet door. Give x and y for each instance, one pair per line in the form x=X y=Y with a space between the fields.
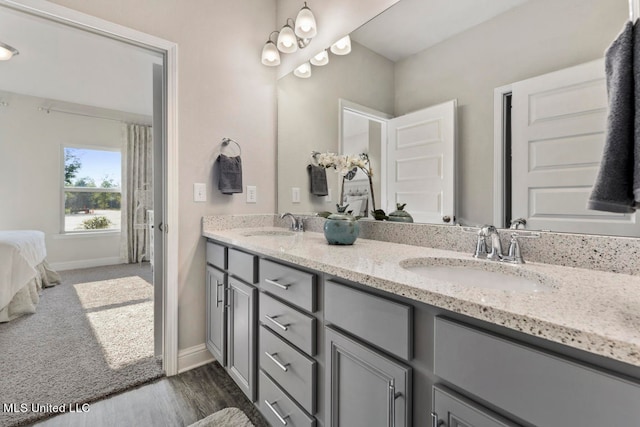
x=241 y=336
x=451 y=410
x=364 y=387
x=216 y=322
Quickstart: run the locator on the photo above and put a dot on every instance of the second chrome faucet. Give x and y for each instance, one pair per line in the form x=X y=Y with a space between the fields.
x=514 y=255
x=296 y=223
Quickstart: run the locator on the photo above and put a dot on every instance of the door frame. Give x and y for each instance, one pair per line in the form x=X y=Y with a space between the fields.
x=169 y=51
x=376 y=116
x=499 y=130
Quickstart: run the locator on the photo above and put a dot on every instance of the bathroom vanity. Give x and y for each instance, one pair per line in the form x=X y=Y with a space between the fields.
x=320 y=335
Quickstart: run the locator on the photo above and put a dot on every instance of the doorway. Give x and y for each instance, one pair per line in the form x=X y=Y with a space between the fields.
x=166 y=208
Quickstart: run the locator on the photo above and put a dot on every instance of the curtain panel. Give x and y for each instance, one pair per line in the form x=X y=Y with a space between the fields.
x=137 y=191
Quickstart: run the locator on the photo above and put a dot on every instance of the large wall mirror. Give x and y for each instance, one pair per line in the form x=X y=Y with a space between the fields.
x=420 y=54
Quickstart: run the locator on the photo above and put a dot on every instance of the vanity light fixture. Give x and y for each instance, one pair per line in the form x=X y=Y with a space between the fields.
x=270 y=54
x=293 y=36
x=303 y=71
x=342 y=46
x=306 y=23
x=320 y=59
x=7 y=52
x=287 y=40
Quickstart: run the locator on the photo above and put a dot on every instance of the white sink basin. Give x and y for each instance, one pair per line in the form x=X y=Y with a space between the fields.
x=269 y=233
x=474 y=273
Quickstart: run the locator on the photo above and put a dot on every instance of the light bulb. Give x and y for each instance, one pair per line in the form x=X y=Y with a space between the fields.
x=7 y=52
x=287 y=42
x=270 y=54
x=321 y=58
x=342 y=46
x=306 y=23
x=303 y=71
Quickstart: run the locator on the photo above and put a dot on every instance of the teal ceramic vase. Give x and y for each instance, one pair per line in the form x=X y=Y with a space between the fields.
x=400 y=215
x=341 y=228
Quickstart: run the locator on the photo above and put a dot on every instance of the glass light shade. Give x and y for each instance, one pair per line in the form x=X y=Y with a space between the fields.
x=306 y=23
x=7 y=52
x=321 y=58
x=303 y=71
x=342 y=46
x=287 y=42
x=270 y=54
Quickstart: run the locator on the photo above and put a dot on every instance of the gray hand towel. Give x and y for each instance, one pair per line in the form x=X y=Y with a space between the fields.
x=229 y=174
x=318 y=180
x=613 y=189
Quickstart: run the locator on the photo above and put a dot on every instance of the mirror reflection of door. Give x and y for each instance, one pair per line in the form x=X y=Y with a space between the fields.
x=421 y=163
x=412 y=156
x=363 y=130
x=558 y=131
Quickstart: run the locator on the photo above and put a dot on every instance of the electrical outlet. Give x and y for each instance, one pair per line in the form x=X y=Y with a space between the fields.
x=252 y=194
x=199 y=192
x=295 y=195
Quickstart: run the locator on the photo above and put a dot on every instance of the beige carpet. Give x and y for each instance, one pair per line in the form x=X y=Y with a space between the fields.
x=90 y=337
x=227 y=417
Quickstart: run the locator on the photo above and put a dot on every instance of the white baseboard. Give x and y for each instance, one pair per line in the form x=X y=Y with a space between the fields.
x=86 y=263
x=192 y=357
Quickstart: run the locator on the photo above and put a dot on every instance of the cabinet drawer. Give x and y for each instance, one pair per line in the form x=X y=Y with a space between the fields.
x=293 y=325
x=217 y=255
x=292 y=370
x=294 y=286
x=278 y=409
x=379 y=321
x=243 y=265
x=533 y=385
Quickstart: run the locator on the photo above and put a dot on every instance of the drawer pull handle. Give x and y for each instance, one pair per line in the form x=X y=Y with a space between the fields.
x=276 y=413
x=275 y=283
x=273 y=320
x=276 y=361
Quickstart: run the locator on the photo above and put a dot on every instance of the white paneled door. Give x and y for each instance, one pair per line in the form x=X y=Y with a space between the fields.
x=558 y=123
x=420 y=163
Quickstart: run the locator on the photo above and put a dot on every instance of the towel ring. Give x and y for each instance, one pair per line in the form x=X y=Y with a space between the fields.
x=226 y=141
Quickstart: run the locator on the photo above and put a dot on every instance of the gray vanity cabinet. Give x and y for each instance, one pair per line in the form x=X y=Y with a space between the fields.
x=453 y=410
x=241 y=333
x=232 y=313
x=216 y=281
x=363 y=386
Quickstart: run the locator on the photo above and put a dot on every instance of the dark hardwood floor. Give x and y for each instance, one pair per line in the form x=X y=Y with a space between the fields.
x=172 y=402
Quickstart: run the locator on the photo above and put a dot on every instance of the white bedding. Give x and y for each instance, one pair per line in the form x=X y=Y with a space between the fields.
x=21 y=252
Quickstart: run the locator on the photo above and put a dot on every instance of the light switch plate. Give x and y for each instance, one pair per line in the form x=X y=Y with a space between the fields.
x=252 y=194
x=295 y=194
x=199 y=192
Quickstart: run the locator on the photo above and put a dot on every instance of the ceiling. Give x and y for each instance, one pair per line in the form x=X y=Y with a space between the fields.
x=58 y=62
x=411 y=26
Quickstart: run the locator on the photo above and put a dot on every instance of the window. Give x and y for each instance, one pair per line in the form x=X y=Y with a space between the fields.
x=91 y=188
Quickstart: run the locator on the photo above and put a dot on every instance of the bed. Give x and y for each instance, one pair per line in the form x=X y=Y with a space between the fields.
x=23 y=272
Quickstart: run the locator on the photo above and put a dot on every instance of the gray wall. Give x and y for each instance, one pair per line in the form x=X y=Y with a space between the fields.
x=308 y=118
x=539 y=37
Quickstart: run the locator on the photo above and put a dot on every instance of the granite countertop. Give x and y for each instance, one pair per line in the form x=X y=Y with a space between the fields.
x=590 y=310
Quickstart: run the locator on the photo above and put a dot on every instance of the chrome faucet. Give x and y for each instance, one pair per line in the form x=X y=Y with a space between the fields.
x=481 y=245
x=514 y=255
x=296 y=223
